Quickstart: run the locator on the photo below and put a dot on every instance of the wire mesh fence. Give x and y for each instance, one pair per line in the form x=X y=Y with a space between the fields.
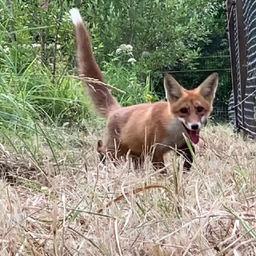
x=206 y=66
x=242 y=39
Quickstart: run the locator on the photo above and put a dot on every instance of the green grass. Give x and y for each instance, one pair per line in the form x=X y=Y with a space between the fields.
x=33 y=94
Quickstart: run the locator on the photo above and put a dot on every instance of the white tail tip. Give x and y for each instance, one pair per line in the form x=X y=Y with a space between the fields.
x=75 y=16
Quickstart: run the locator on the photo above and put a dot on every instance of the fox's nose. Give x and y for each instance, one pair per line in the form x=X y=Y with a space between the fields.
x=194 y=127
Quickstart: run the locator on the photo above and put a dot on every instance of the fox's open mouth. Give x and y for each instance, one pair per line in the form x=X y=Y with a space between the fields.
x=193 y=134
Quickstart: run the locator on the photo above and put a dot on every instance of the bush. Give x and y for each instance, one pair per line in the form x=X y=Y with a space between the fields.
x=37 y=49
x=29 y=93
x=123 y=72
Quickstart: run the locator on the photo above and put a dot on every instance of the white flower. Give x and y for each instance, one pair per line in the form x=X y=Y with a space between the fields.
x=129 y=48
x=122 y=47
x=118 y=51
x=36 y=45
x=6 y=49
x=49 y=46
x=131 y=60
x=26 y=46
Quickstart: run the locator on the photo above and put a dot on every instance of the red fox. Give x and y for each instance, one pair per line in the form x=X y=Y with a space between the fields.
x=150 y=128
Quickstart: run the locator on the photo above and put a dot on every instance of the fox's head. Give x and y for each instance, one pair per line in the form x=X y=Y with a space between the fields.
x=191 y=107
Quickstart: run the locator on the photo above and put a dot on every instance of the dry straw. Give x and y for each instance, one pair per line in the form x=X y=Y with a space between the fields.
x=209 y=211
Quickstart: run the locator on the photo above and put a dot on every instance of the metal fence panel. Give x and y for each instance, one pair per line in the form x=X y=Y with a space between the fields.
x=242 y=38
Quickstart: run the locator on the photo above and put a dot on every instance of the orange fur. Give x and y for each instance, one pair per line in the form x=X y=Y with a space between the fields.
x=146 y=128
x=100 y=94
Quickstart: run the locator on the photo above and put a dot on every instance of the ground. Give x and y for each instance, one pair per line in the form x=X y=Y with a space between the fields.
x=52 y=207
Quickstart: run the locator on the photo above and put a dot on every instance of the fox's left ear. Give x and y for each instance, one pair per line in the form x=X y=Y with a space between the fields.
x=209 y=86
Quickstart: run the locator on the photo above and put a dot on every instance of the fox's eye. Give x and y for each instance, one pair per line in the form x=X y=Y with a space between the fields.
x=199 y=109
x=184 y=110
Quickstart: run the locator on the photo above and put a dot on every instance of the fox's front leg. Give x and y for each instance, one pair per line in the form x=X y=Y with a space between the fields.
x=105 y=152
x=101 y=151
x=158 y=162
x=137 y=161
x=188 y=154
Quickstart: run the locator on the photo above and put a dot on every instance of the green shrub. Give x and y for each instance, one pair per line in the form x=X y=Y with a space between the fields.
x=123 y=72
x=37 y=52
x=34 y=94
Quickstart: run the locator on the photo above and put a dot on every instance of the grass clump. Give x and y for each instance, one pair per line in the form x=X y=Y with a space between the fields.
x=209 y=211
x=32 y=94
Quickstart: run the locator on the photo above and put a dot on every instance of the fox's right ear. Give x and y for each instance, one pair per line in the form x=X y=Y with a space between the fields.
x=209 y=86
x=173 y=90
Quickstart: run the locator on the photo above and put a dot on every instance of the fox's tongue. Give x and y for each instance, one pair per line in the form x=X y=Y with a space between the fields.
x=194 y=136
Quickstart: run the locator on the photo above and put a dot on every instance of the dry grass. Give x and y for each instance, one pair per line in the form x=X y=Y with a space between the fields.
x=209 y=211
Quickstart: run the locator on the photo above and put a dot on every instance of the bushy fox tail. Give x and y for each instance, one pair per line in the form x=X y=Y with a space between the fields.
x=101 y=96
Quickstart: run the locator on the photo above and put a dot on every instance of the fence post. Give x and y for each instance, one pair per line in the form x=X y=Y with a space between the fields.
x=242 y=52
x=232 y=47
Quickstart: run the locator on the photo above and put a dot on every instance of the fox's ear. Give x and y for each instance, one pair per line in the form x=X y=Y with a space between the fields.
x=173 y=90
x=209 y=86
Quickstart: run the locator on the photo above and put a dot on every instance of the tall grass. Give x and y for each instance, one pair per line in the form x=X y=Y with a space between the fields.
x=29 y=93
x=209 y=211
x=126 y=78
x=52 y=185
x=34 y=103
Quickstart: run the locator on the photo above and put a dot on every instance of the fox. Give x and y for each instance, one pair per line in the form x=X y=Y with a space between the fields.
x=148 y=128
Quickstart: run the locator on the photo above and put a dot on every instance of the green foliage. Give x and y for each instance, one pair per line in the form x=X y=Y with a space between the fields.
x=32 y=67
x=170 y=30
x=122 y=72
x=30 y=94
x=37 y=51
